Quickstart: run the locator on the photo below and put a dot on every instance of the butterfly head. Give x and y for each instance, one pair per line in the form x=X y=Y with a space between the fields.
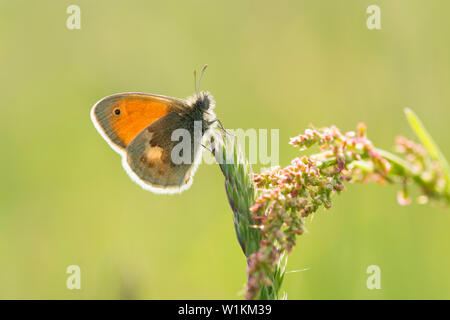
x=203 y=101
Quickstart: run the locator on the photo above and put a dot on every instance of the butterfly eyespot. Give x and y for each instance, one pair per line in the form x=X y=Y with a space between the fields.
x=116 y=112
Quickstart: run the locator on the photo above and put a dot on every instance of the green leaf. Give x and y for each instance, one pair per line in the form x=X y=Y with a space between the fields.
x=428 y=143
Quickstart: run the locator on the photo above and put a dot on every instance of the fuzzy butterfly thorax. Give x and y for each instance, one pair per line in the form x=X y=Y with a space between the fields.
x=202 y=105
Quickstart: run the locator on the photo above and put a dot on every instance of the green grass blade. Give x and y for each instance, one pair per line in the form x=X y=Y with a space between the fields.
x=428 y=143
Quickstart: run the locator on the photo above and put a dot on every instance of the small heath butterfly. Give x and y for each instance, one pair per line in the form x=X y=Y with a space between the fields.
x=141 y=127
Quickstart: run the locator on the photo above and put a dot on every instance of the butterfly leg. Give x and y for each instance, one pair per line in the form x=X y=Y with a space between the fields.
x=220 y=126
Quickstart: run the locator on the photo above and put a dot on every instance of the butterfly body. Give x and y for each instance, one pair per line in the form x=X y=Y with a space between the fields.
x=143 y=129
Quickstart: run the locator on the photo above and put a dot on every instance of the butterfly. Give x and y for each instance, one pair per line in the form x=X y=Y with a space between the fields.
x=146 y=129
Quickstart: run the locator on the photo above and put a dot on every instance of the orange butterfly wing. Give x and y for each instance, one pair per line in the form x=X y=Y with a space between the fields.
x=121 y=117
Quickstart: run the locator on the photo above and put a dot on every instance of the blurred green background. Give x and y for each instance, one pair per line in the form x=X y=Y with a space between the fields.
x=65 y=199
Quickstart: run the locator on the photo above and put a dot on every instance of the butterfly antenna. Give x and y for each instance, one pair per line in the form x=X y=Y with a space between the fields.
x=201 y=76
x=195 y=81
